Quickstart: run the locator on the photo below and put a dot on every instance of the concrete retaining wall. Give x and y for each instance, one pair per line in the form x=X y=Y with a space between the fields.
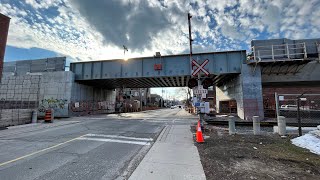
x=57 y=90
x=23 y=67
x=12 y=117
x=19 y=92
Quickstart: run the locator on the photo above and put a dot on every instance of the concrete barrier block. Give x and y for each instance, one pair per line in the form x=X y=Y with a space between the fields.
x=17 y=98
x=19 y=82
x=3 y=87
x=11 y=86
x=256 y=125
x=25 y=95
x=3 y=96
x=33 y=97
x=10 y=95
x=5 y=81
x=282 y=125
x=18 y=86
x=41 y=97
x=35 y=80
x=52 y=91
x=26 y=83
x=26 y=91
x=34 y=86
x=18 y=91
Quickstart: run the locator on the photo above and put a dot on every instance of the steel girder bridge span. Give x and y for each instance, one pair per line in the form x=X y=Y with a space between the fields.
x=157 y=71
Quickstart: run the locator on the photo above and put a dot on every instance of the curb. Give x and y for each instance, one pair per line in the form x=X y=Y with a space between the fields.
x=129 y=173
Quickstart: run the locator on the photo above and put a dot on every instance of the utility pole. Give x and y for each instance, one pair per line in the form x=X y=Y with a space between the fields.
x=162 y=98
x=190 y=43
x=299 y=116
x=298 y=113
x=140 y=99
x=201 y=115
x=190 y=38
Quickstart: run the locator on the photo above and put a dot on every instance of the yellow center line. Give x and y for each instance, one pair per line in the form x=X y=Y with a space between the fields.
x=37 y=152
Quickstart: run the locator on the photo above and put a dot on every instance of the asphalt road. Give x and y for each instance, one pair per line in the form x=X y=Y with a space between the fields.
x=92 y=147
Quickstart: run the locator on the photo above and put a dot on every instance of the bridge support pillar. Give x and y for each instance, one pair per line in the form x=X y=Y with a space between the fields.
x=246 y=90
x=252 y=92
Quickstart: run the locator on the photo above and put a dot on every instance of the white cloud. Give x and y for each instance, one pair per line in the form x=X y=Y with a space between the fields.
x=271 y=17
x=43 y=4
x=88 y=30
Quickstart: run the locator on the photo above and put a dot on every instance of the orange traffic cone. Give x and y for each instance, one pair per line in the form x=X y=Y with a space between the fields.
x=199 y=136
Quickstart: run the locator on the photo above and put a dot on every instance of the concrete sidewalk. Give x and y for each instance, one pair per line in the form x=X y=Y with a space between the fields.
x=173 y=156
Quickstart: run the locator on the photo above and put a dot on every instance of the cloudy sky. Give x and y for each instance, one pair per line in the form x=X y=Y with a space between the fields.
x=90 y=30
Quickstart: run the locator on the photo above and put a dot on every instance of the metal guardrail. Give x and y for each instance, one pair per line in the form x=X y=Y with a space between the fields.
x=282 y=52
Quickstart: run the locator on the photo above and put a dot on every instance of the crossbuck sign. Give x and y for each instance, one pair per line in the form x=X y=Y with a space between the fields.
x=200 y=67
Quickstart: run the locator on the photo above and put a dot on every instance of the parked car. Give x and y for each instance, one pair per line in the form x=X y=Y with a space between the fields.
x=289 y=106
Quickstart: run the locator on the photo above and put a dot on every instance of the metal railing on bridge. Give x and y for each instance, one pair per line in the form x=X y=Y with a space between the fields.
x=279 y=52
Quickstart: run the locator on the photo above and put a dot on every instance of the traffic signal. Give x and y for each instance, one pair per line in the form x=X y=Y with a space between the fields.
x=192 y=83
x=207 y=83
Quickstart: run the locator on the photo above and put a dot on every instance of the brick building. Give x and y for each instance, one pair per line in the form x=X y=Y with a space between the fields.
x=4 y=24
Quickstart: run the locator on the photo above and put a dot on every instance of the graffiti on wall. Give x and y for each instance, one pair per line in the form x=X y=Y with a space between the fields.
x=52 y=103
x=85 y=106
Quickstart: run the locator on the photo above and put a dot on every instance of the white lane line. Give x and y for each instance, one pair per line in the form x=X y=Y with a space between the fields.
x=114 y=140
x=119 y=137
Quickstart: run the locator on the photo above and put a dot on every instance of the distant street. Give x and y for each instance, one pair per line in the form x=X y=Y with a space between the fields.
x=92 y=147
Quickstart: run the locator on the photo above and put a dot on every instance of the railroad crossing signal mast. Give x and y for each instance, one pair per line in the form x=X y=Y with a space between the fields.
x=190 y=38
x=197 y=68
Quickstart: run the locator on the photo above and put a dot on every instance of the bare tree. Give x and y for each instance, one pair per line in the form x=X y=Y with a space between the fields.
x=183 y=93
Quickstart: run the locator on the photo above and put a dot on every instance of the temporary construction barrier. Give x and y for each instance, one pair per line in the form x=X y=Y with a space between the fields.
x=48 y=116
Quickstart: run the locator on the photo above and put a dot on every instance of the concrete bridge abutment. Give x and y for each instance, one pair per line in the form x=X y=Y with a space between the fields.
x=246 y=90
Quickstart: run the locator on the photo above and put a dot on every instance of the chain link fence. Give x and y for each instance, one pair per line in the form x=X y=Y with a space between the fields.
x=295 y=106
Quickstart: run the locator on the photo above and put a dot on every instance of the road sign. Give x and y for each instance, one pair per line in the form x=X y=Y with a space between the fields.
x=200 y=67
x=200 y=91
x=281 y=98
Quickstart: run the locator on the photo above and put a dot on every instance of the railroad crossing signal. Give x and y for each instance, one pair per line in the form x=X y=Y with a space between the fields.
x=200 y=67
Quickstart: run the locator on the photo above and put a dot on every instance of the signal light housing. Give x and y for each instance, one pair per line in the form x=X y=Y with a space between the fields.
x=207 y=83
x=192 y=83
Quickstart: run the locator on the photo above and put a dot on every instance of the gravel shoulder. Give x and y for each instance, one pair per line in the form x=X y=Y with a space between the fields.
x=244 y=156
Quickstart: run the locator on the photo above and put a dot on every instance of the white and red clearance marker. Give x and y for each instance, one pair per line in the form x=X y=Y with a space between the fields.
x=200 y=67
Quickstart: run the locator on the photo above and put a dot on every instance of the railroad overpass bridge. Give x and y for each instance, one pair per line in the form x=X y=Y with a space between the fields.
x=233 y=78
x=161 y=71
x=236 y=76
